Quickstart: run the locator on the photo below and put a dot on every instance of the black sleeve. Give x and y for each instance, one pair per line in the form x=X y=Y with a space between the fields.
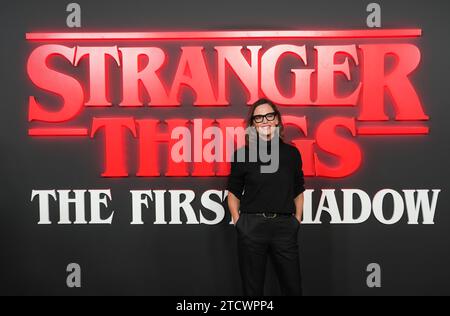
x=236 y=178
x=299 y=180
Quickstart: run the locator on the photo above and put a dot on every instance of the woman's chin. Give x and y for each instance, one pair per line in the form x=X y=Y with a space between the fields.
x=266 y=135
x=265 y=132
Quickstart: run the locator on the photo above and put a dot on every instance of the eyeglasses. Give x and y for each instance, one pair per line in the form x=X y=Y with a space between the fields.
x=260 y=118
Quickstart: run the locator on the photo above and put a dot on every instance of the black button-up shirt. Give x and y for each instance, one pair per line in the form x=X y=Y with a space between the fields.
x=267 y=192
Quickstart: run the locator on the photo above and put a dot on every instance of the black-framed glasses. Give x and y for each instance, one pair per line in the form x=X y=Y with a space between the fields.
x=260 y=118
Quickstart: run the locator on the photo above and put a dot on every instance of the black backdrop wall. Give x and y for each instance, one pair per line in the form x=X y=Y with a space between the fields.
x=201 y=259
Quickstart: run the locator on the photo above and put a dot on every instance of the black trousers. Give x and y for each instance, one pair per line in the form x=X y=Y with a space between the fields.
x=260 y=237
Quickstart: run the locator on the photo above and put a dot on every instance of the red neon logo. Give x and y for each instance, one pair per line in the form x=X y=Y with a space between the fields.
x=319 y=82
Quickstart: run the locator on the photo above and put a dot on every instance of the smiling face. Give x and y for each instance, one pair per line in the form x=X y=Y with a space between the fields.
x=261 y=121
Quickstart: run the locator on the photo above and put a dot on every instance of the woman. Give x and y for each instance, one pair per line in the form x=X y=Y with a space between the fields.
x=268 y=214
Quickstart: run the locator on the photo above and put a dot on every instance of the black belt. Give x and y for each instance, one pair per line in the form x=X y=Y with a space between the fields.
x=269 y=214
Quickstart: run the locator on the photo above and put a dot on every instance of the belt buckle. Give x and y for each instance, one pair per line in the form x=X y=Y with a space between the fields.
x=274 y=215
